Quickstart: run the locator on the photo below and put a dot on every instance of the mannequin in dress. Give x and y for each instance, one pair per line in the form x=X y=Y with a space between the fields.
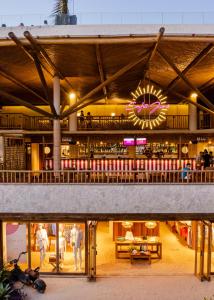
x=42 y=242
x=76 y=240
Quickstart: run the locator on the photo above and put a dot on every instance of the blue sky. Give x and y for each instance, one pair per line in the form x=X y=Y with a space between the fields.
x=45 y=6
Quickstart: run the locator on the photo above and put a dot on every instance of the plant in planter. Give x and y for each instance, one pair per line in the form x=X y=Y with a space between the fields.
x=5 y=291
x=61 y=14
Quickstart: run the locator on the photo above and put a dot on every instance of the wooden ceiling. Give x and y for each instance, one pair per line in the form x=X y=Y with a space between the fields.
x=80 y=66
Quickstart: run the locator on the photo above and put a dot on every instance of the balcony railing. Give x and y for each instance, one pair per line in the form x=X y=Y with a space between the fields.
x=40 y=123
x=124 y=123
x=206 y=121
x=106 y=177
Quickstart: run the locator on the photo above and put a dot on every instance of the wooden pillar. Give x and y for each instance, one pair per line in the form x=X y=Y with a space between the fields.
x=35 y=165
x=193 y=113
x=56 y=125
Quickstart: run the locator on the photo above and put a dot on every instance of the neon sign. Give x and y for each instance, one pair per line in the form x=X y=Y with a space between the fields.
x=148 y=107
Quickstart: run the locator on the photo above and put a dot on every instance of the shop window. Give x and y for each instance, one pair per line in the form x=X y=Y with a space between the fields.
x=72 y=247
x=43 y=246
x=15 y=241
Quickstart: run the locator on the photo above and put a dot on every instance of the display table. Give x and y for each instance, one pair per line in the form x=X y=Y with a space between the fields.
x=153 y=244
x=140 y=255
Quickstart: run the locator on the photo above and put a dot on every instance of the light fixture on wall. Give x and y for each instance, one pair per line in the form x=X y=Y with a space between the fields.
x=184 y=149
x=127 y=224
x=151 y=224
x=47 y=150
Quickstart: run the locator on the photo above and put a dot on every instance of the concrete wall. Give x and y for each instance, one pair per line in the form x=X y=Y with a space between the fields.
x=110 y=198
x=94 y=30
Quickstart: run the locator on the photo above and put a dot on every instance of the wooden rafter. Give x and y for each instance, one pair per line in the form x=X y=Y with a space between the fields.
x=25 y=103
x=207 y=85
x=106 y=82
x=150 y=53
x=192 y=64
x=100 y=68
x=185 y=79
x=46 y=57
x=27 y=51
x=180 y=96
x=44 y=84
x=21 y=84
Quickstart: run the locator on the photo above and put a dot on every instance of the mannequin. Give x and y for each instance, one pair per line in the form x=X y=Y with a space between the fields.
x=61 y=246
x=76 y=239
x=42 y=242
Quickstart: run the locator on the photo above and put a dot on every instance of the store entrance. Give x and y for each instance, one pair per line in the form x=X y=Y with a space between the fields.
x=140 y=248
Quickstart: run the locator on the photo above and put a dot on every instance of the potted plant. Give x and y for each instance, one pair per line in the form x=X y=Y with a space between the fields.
x=61 y=14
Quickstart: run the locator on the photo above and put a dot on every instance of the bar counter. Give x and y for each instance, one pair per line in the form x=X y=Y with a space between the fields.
x=123 y=164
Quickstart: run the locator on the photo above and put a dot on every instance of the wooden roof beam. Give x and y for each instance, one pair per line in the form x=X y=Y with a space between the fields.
x=38 y=48
x=20 y=84
x=25 y=103
x=101 y=70
x=193 y=63
x=44 y=84
x=106 y=82
x=178 y=95
x=185 y=79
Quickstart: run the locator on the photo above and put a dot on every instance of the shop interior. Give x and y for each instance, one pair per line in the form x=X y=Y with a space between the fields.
x=136 y=248
x=123 y=248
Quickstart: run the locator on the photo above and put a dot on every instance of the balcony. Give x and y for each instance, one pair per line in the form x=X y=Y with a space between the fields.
x=36 y=123
x=141 y=177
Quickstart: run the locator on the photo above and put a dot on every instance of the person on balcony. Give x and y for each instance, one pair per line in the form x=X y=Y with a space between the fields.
x=185 y=174
x=89 y=120
x=207 y=159
x=82 y=119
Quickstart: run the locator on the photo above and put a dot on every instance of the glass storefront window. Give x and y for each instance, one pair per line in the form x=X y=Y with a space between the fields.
x=15 y=241
x=43 y=246
x=72 y=247
x=54 y=247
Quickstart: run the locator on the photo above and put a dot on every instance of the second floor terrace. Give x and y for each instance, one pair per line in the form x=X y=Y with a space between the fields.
x=20 y=121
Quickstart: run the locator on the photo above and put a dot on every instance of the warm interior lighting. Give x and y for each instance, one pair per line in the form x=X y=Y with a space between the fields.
x=77 y=143
x=210 y=142
x=47 y=150
x=151 y=224
x=184 y=150
x=78 y=114
x=113 y=114
x=127 y=224
x=72 y=96
x=194 y=95
x=190 y=142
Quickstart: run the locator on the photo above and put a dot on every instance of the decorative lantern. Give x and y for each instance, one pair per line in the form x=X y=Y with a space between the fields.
x=127 y=224
x=47 y=150
x=151 y=224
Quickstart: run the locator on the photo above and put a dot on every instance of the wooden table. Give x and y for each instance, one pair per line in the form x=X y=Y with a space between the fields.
x=122 y=248
x=140 y=255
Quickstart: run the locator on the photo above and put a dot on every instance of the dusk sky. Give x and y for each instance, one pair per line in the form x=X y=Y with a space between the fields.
x=45 y=6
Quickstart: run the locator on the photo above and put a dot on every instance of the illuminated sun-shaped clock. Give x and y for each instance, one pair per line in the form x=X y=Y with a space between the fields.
x=148 y=107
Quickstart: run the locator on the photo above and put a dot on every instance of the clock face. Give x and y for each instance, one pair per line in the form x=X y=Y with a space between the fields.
x=147 y=107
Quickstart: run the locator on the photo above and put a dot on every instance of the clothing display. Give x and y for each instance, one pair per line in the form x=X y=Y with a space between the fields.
x=76 y=239
x=42 y=242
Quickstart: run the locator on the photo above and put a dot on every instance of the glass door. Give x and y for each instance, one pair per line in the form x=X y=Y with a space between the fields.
x=92 y=252
x=203 y=248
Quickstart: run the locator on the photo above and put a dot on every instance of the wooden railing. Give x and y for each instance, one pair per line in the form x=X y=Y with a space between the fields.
x=205 y=121
x=105 y=177
x=124 y=123
x=40 y=123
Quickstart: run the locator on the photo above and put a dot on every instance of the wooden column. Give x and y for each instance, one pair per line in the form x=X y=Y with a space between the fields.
x=193 y=114
x=56 y=125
